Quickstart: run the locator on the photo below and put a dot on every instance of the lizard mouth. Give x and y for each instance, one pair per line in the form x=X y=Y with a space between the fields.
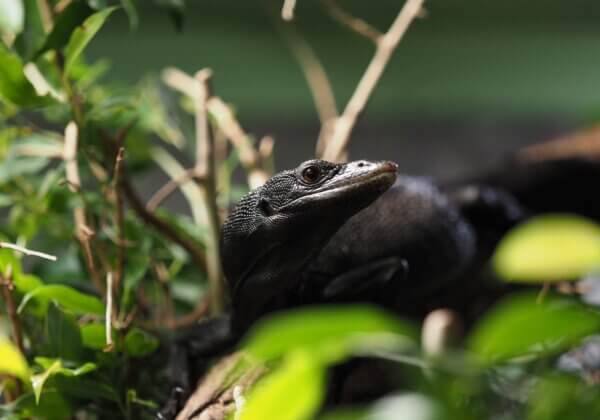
x=358 y=179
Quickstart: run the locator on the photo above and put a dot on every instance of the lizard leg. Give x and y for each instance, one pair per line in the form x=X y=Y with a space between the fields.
x=370 y=279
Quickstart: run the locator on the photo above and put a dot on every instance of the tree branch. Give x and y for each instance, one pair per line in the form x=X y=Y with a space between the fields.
x=355 y=24
x=26 y=251
x=386 y=44
x=82 y=232
x=205 y=167
x=287 y=11
x=161 y=226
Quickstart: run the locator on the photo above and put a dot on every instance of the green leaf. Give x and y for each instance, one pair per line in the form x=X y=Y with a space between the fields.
x=94 y=336
x=51 y=407
x=12 y=16
x=561 y=397
x=330 y=333
x=293 y=392
x=66 y=297
x=83 y=35
x=14 y=86
x=69 y=19
x=139 y=343
x=12 y=361
x=549 y=248
x=519 y=325
x=62 y=335
x=53 y=367
x=132 y=13
x=32 y=37
x=82 y=388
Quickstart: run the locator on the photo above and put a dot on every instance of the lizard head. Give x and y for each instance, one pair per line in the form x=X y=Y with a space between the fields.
x=277 y=228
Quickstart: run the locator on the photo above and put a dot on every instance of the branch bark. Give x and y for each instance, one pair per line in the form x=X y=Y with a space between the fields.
x=206 y=169
x=386 y=44
x=83 y=233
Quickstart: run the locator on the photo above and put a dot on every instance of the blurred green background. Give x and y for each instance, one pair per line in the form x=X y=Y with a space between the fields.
x=474 y=79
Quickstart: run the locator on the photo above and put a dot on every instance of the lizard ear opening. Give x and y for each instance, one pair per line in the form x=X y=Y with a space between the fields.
x=265 y=207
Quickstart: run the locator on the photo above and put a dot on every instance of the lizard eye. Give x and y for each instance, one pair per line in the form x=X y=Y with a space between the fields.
x=311 y=174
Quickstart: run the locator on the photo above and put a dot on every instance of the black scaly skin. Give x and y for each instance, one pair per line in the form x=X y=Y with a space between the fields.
x=277 y=230
x=358 y=232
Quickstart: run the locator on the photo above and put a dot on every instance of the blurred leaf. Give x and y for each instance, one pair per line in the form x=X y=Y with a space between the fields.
x=32 y=37
x=53 y=367
x=139 y=343
x=12 y=361
x=175 y=9
x=132 y=398
x=51 y=407
x=14 y=86
x=83 y=35
x=519 y=325
x=86 y=388
x=66 y=22
x=11 y=168
x=549 y=248
x=62 y=335
x=137 y=266
x=65 y=296
x=94 y=336
x=36 y=145
x=329 y=333
x=132 y=13
x=294 y=391
x=12 y=16
x=561 y=397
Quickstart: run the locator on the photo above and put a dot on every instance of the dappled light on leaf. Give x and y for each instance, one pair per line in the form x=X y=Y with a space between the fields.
x=329 y=333
x=549 y=248
x=293 y=392
x=521 y=325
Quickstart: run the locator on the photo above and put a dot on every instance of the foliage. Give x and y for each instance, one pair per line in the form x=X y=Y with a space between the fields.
x=74 y=354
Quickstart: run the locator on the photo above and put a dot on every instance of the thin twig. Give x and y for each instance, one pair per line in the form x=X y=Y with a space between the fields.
x=26 y=251
x=161 y=226
x=314 y=73
x=83 y=232
x=169 y=188
x=7 y=285
x=358 y=25
x=6 y=281
x=205 y=167
x=386 y=44
x=287 y=11
x=109 y=311
x=119 y=218
x=249 y=157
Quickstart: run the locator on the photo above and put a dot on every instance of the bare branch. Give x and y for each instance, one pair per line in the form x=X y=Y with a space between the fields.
x=226 y=121
x=249 y=157
x=119 y=218
x=169 y=188
x=161 y=226
x=206 y=168
x=26 y=251
x=7 y=285
x=82 y=232
x=109 y=311
x=287 y=11
x=6 y=282
x=386 y=44
x=357 y=25
x=314 y=73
